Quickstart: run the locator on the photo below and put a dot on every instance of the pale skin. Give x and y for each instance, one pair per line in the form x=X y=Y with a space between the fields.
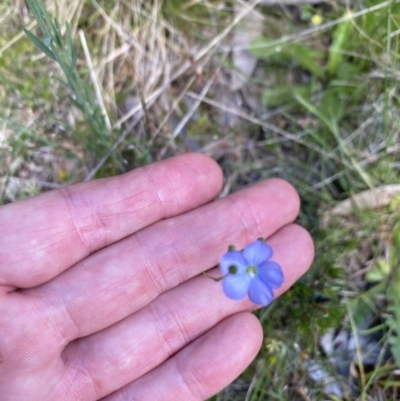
x=102 y=295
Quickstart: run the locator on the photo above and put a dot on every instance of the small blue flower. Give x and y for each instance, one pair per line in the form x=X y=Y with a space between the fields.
x=250 y=272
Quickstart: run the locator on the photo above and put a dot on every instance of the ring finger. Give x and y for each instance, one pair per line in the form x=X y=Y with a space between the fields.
x=121 y=353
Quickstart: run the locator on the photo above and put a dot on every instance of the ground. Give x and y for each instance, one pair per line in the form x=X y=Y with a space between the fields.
x=302 y=90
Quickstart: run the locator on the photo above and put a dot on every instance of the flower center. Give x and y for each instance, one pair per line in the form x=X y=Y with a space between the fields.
x=251 y=270
x=233 y=269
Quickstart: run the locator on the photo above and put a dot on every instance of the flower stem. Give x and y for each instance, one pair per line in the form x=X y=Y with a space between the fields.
x=216 y=279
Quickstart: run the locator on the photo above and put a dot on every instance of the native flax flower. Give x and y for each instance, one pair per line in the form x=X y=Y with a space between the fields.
x=250 y=272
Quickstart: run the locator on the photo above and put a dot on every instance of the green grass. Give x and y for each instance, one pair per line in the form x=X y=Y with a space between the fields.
x=321 y=110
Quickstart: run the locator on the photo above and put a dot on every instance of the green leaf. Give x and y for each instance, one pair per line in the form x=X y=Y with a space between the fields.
x=58 y=34
x=306 y=57
x=313 y=109
x=339 y=38
x=74 y=58
x=73 y=53
x=69 y=37
x=40 y=13
x=331 y=106
x=394 y=321
x=62 y=82
x=283 y=95
x=380 y=269
x=79 y=105
x=262 y=49
x=347 y=71
x=38 y=43
x=396 y=236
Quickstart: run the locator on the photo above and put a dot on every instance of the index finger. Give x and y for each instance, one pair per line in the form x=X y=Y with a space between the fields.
x=43 y=236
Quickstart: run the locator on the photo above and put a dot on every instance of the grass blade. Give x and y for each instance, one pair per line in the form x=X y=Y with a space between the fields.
x=39 y=44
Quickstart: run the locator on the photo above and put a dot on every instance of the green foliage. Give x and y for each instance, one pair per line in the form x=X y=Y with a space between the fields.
x=42 y=46
x=394 y=323
x=193 y=17
x=275 y=97
x=331 y=82
x=58 y=45
x=339 y=38
x=305 y=56
x=380 y=269
x=313 y=304
x=394 y=296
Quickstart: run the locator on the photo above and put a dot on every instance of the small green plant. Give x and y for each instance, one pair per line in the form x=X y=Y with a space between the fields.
x=57 y=44
x=394 y=296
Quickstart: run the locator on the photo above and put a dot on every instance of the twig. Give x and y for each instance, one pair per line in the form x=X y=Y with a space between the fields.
x=4 y=127
x=192 y=110
x=175 y=105
x=314 y=30
x=154 y=96
x=289 y=2
x=253 y=384
x=115 y=146
x=115 y=54
x=93 y=77
x=271 y=127
x=189 y=114
x=188 y=64
x=253 y=119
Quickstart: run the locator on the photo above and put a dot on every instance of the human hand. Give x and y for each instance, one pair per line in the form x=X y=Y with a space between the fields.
x=101 y=291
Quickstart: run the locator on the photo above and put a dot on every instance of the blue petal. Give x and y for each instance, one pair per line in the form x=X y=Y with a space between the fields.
x=232 y=258
x=259 y=293
x=271 y=274
x=256 y=253
x=235 y=286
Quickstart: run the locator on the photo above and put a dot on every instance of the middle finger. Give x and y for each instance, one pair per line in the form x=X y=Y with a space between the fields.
x=122 y=278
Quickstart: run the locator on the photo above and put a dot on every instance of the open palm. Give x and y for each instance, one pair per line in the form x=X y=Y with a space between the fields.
x=101 y=291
